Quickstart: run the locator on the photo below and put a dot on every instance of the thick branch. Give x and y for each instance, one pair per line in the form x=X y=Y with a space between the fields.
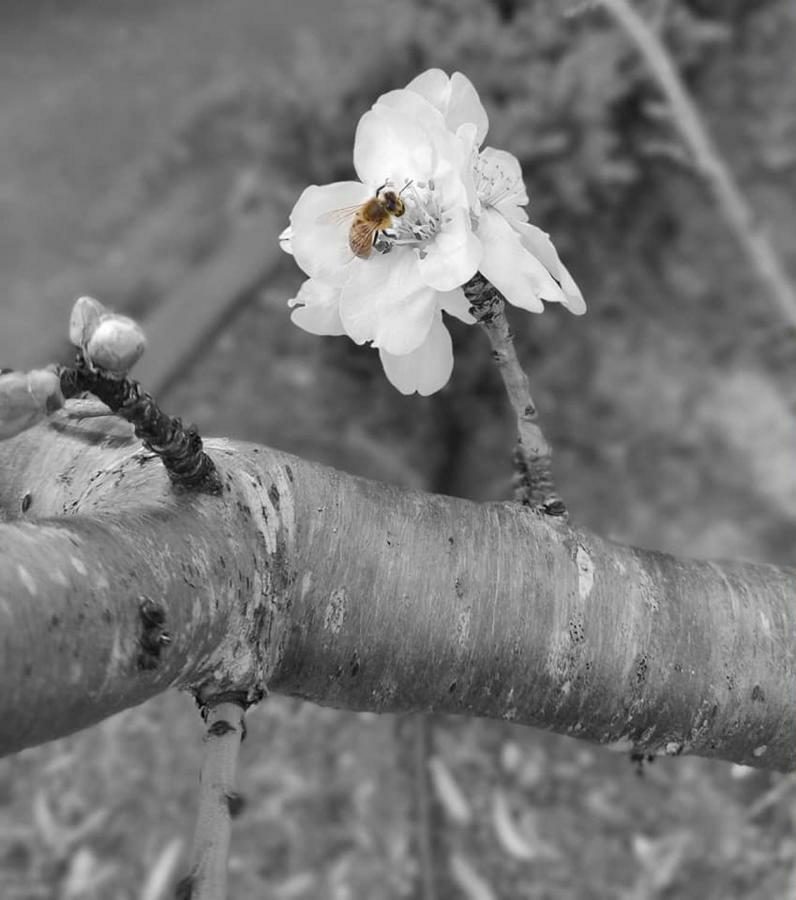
x=366 y=596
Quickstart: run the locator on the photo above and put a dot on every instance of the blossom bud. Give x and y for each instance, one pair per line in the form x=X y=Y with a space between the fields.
x=27 y=398
x=116 y=344
x=86 y=315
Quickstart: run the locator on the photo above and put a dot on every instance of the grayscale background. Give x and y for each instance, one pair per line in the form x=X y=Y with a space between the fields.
x=150 y=151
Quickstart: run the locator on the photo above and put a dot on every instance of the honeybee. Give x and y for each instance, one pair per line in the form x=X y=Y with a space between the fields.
x=367 y=219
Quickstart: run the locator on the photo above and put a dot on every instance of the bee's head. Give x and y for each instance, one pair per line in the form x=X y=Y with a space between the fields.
x=393 y=203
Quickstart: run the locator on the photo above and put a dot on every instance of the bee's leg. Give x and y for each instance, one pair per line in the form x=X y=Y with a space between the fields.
x=381 y=242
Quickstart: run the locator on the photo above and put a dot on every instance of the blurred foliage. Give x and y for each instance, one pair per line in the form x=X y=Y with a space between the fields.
x=327 y=815
x=567 y=94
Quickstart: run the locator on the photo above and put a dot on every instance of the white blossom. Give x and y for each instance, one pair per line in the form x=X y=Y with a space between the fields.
x=463 y=213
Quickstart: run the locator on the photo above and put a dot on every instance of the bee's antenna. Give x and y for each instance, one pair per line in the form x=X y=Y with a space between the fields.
x=380 y=189
x=405 y=186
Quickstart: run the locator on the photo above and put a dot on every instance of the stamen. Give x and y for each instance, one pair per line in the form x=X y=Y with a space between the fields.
x=420 y=223
x=493 y=185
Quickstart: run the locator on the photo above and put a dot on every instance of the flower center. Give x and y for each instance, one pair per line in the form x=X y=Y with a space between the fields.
x=422 y=220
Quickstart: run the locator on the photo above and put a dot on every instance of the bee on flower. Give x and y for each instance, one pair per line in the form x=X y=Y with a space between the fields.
x=368 y=219
x=388 y=254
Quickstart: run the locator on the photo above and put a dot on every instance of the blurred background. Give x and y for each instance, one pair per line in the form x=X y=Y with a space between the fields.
x=151 y=152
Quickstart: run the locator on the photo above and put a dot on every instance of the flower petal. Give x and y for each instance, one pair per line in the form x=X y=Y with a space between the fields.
x=384 y=301
x=508 y=208
x=286 y=240
x=414 y=107
x=428 y=368
x=468 y=154
x=321 y=247
x=395 y=140
x=434 y=85
x=454 y=97
x=453 y=256
x=404 y=138
x=539 y=243
x=456 y=304
x=317 y=308
x=465 y=106
x=514 y=271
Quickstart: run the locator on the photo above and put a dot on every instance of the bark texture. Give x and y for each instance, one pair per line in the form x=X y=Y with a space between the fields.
x=306 y=581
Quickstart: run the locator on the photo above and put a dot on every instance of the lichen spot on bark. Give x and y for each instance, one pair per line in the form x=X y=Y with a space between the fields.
x=622 y=744
x=648 y=589
x=585 y=572
x=463 y=627
x=334 y=614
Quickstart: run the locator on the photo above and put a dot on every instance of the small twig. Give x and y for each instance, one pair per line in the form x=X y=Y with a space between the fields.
x=218 y=800
x=180 y=448
x=533 y=455
x=752 y=238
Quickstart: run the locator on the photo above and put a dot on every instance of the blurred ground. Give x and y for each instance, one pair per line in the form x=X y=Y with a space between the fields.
x=136 y=136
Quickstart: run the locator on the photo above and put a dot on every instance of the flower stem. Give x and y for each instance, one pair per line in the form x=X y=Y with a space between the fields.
x=179 y=447
x=532 y=457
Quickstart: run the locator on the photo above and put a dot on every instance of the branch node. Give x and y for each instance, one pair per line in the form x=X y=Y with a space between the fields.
x=153 y=637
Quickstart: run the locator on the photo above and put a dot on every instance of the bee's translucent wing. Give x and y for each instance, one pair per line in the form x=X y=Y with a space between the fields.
x=360 y=237
x=338 y=216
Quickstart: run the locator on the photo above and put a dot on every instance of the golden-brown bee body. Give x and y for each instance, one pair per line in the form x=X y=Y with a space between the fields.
x=374 y=215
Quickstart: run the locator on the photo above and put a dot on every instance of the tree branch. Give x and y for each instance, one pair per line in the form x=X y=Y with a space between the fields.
x=313 y=583
x=207 y=879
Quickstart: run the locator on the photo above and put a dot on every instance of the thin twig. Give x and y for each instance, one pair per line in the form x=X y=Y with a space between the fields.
x=218 y=799
x=180 y=448
x=533 y=455
x=709 y=163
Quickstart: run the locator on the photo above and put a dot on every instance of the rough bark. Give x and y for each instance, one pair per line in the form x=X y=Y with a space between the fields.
x=306 y=581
